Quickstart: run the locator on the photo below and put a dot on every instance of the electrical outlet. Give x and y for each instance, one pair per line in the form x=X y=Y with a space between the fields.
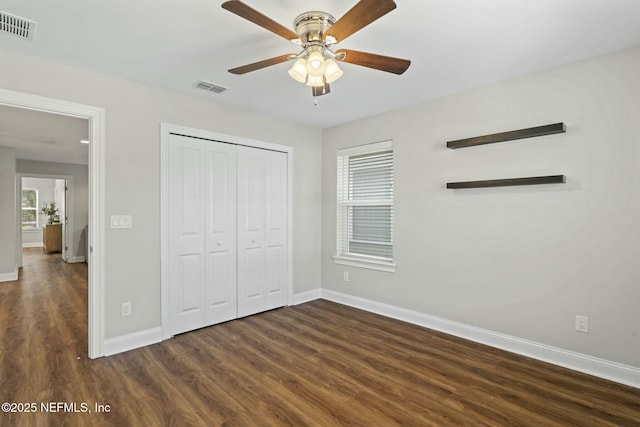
x=345 y=276
x=582 y=324
x=126 y=308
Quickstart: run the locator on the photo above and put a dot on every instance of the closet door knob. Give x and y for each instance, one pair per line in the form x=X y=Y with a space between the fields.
x=253 y=241
x=219 y=243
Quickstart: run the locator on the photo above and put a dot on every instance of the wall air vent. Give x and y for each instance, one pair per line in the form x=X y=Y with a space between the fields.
x=17 y=26
x=209 y=87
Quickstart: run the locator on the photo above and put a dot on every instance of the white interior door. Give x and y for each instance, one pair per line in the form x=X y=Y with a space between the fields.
x=262 y=230
x=62 y=201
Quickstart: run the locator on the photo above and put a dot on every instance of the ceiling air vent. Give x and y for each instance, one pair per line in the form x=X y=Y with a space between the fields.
x=17 y=26
x=210 y=87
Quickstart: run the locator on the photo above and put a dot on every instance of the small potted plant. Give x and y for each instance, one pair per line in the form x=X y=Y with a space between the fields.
x=50 y=210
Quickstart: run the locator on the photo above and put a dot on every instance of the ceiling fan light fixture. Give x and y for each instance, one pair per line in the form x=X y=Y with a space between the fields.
x=331 y=71
x=298 y=71
x=316 y=32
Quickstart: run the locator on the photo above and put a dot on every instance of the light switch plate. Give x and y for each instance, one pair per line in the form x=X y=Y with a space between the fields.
x=121 y=221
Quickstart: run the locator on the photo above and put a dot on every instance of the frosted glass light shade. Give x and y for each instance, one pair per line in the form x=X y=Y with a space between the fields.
x=315 y=64
x=315 y=80
x=331 y=71
x=299 y=70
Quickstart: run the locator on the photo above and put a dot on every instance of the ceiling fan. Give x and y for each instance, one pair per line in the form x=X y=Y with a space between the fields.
x=316 y=32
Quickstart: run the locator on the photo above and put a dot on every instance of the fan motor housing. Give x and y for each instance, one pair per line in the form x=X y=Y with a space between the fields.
x=310 y=26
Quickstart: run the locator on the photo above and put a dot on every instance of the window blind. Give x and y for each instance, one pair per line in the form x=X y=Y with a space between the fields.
x=365 y=205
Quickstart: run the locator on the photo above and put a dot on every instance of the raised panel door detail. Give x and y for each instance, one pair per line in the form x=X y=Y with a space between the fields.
x=255 y=273
x=190 y=284
x=276 y=200
x=252 y=192
x=221 y=273
x=276 y=274
x=191 y=178
x=219 y=186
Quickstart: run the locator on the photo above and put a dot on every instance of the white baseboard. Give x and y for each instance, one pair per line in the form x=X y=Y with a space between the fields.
x=33 y=245
x=9 y=277
x=306 y=296
x=76 y=259
x=602 y=368
x=131 y=341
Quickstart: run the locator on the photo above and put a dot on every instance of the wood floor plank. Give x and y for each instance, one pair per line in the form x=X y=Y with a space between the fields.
x=315 y=364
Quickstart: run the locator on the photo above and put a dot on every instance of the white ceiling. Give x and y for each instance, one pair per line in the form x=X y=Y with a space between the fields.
x=454 y=45
x=44 y=136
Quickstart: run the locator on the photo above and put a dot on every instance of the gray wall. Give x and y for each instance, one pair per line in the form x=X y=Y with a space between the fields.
x=80 y=194
x=8 y=224
x=133 y=116
x=522 y=261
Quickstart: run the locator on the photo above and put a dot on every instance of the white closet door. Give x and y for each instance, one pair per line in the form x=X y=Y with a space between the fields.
x=202 y=233
x=186 y=234
x=227 y=232
x=221 y=271
x=262 y=217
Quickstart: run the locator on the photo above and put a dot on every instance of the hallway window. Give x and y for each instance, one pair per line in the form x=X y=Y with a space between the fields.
x=29 y=209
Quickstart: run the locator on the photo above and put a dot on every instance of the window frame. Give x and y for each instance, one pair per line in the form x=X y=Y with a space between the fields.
x=343 y=203
x=35 y=209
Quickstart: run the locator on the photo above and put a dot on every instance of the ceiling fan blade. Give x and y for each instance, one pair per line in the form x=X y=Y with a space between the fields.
x=370 y=60
x=261 y=64
x=358 y=17
x=250 y=14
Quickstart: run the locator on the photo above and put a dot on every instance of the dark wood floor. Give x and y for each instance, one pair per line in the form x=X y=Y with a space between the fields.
x=316 y=364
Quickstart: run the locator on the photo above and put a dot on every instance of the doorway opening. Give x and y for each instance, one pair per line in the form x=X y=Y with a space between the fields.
x=61 y=230
x=95 y=229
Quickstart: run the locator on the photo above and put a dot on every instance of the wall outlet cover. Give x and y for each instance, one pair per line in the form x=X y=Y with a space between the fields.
x=582 y=324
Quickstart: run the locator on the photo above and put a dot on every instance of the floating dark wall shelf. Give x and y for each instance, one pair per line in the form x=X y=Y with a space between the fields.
x=508 y=136
x=551 y=179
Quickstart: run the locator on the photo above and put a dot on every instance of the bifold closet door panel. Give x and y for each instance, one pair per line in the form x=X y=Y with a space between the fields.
x=202 y=233
x=186 y=234
x=262 y=231
x=220 y=226
x=276 y=227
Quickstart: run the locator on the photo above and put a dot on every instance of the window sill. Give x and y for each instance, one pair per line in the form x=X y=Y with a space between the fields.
x=388 y=266
x=32 y=230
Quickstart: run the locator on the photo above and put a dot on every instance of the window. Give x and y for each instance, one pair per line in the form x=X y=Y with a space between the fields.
x=29 y=209
x=365 y=206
